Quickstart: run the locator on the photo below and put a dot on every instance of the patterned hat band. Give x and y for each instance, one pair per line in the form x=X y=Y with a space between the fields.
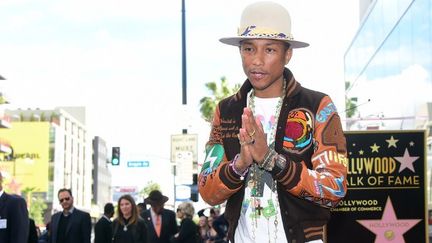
x=264 y=20
x=253 y=31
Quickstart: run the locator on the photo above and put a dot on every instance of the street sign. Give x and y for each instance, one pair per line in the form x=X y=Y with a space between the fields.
x=138 y=163
x=183 y=143
x=184 y=168
x=183 y=192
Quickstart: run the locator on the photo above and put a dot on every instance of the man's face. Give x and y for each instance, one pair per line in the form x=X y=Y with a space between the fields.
x=158 y=208
x=65 y=200
x=263 y=63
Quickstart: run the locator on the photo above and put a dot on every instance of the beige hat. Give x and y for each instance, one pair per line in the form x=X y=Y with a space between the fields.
x=264 y=20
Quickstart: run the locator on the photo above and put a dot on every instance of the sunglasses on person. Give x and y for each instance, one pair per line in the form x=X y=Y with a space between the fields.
x=64 y=199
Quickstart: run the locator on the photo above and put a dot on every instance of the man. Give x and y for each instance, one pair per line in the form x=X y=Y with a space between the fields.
x=14 y=220
x=161 y=222
x=70 y=225
x=286 y=167
x=141 y=207
x=102 y=229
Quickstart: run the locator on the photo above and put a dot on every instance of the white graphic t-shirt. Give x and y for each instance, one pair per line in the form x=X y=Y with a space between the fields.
x=260 y=219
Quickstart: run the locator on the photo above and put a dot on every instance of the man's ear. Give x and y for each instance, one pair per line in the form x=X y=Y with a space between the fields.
x=288 y=55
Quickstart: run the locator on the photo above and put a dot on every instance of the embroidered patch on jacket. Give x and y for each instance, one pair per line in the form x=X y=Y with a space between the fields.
x=213 y=158
x=332 y=134
x=325 y=112
x=215 y=134
x=298 y=131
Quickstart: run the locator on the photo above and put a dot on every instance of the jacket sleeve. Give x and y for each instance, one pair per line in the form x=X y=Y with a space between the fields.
x=19 y=220
x=86 y=227
x=326 y=182
x=217 y=179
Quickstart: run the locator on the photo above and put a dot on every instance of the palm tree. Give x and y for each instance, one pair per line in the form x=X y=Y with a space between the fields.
x=208 y=104
x=350 y=102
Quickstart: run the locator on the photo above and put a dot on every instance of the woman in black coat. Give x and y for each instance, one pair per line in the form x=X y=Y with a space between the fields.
x=188 y=232
x=128 y=227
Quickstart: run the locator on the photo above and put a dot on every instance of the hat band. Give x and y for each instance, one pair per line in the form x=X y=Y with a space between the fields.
x=253 y=31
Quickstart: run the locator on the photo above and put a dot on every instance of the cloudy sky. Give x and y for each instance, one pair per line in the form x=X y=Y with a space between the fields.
x=122 y=60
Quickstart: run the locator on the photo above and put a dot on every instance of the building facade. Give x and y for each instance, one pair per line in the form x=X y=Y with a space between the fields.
x=388 y=67
x=102 y=191
x=56 y=141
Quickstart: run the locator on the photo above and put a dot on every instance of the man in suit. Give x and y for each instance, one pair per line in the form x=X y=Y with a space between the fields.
x=14 y=220
x=102 y=229
x=161 y=222
x=70 y=225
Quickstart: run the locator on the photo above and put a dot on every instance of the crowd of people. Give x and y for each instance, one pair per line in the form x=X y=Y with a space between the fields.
x=125 y=223
x=131 y=223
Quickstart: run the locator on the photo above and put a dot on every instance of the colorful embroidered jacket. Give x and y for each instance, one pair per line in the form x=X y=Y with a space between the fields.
x=309 y=135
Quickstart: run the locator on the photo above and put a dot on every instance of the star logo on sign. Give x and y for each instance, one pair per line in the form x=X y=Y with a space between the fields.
x=389 y=228
x=392 y=142
x=375 y=148
x=406 y=161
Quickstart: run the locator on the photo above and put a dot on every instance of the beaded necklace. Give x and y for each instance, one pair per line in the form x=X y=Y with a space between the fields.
x=256 y=172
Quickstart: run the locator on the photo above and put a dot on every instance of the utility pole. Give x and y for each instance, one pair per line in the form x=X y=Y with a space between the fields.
x=184 y=72
x=184 y=84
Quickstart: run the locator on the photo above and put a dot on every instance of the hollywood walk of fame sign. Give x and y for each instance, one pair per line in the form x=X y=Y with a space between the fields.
x=386 y=198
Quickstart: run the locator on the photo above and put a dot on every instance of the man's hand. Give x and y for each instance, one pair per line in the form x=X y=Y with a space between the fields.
x=252 y=139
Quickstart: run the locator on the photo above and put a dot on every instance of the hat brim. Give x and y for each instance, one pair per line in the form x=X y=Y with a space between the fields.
x=150 y=201
x=235 y=41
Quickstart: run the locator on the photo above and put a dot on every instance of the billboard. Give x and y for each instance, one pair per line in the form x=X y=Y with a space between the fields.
x=28 y=165
x=386 y=198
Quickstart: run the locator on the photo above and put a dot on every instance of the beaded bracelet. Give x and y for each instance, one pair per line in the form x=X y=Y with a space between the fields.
x=269 y=160
x=232 y=164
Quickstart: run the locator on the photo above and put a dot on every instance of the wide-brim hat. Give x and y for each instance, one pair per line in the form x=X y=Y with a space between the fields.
x=264 y=20
x=156 y=197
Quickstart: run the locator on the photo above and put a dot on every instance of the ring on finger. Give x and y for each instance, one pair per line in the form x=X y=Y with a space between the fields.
x=252 y=134
x=247 y=142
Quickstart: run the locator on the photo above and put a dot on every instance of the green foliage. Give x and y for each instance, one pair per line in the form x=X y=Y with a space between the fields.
x=148 y=188
x=208 y=104
x=43 y=116
x=350 y=102
x=350 y=106
x=37 y=209
x=37 y=205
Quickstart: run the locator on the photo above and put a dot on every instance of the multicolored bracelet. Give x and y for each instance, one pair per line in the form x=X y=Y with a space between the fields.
x=232 y=164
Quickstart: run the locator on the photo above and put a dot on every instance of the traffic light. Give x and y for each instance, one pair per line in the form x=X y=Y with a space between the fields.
x=115 y=156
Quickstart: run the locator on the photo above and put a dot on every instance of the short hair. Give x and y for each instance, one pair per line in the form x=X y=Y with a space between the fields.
x=108 y=208
x=142 y=205
x=65 y=190
x=187 y=208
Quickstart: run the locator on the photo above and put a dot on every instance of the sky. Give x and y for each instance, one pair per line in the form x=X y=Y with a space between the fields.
x=122 y=61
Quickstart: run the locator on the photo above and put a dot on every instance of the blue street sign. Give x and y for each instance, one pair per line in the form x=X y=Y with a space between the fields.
x=138 y=163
